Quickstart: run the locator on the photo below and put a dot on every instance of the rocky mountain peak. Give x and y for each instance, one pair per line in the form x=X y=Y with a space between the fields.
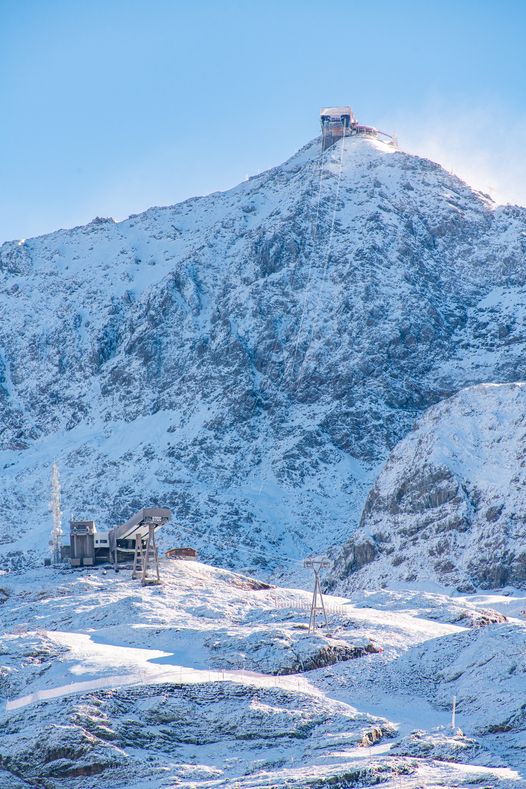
x=250 y=358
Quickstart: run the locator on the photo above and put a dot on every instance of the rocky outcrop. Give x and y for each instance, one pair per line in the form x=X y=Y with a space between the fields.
x=329 y=654
x=447 y=506
x=446 y=746
x=284 y=650
x=148 y=730
x=65 y=752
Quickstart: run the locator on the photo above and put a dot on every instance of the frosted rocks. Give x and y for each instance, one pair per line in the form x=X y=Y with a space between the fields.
x=446 y=507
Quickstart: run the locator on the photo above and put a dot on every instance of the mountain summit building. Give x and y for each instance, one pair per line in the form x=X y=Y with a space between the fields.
x=338 y=122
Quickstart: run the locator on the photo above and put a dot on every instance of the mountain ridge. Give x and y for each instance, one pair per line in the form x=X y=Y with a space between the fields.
x=446 y=508
x=248 y=357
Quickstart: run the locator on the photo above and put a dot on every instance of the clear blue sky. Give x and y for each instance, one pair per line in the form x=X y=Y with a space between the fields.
x=108 y=107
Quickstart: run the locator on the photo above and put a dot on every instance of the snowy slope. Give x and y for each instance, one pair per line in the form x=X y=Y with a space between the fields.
x=249 y=358
x=108 y=684
x=448 y=506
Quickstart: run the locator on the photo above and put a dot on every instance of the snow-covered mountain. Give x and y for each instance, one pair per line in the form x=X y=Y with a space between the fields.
x=251 y=357
x=448 y=506
x=211 y=681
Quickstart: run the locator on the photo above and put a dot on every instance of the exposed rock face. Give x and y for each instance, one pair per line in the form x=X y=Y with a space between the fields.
x=250 y=358
x=448 y=504
x=444 y=746
x=284 y=653
x=139 y=731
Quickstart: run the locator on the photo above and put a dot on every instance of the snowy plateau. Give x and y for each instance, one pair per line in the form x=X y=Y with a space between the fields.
x=326 y=359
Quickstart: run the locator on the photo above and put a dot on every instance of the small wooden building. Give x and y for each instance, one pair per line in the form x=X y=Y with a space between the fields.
x=182 y=553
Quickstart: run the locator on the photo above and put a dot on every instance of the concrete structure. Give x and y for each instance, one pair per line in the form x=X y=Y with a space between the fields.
x=82 y=543
x=138 y=535
x=335 y=123
x=138 y=525
x=135 y=538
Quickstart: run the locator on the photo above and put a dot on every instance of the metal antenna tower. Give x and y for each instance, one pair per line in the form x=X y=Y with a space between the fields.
x=54 y=505
x=316 y=565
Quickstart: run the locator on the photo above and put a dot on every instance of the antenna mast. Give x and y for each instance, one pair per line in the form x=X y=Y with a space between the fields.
x=54 y=505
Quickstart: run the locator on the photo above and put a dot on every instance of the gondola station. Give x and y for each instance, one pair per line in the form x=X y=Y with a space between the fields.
x=338 y=122
x=134 y=539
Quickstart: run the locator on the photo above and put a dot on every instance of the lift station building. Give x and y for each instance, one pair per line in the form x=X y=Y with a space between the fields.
x=338 y=122
x=88 y=546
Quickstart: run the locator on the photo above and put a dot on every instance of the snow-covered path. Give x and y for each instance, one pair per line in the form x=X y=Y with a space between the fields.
x=177 y=674
x=139 y=669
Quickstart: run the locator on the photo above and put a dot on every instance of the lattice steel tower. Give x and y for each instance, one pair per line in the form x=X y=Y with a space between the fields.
x=316 y=565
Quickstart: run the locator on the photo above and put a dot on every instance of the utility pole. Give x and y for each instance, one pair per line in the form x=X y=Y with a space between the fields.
x=54 y=505
x=454 y=713
x=316 y=565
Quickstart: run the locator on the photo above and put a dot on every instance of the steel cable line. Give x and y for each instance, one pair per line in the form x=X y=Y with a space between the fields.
x=306 y=293
x=307 y=286
x=326 y=263
x=292 y=358
x=240 y=546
